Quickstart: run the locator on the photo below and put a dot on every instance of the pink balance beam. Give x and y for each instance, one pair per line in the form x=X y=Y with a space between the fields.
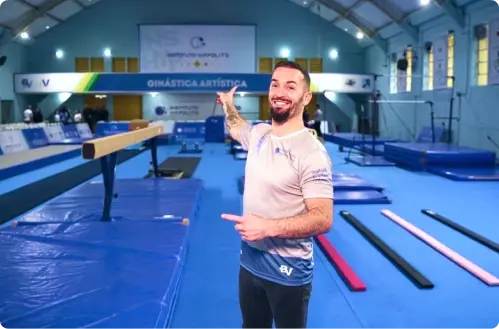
x=474 y=269
x=345 y=271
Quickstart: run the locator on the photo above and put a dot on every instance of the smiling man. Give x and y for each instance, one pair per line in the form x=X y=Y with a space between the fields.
x=288 y=199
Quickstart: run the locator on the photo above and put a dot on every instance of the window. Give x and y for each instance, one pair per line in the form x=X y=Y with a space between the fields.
x=450 y=59
x=393 y=77
x=429 y=69
x=483 y=59
x=408 y=84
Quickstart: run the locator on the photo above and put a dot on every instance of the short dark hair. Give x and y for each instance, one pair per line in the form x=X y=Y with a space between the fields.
x=296 y=66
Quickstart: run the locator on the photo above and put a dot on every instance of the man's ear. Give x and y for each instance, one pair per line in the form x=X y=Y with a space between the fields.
x=307 y=98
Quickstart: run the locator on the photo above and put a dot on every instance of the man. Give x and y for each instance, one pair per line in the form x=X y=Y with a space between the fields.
x=318 y=120
x=288 y=199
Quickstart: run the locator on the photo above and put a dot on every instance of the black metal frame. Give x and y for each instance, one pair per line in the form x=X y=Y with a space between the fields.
x=108 y=167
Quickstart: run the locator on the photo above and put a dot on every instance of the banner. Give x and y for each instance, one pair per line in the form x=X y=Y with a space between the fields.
x=494 y=52
x=35 y=137
x=12 y=141
x=197 y=48
x=84 y=130
x=440 y=63
x=54 y=133
x=109 y=83
x=189 y=131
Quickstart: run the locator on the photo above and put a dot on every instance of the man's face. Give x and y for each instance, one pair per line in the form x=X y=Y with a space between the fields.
x=288 y=94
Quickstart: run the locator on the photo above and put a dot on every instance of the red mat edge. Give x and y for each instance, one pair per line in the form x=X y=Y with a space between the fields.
x=341 y=265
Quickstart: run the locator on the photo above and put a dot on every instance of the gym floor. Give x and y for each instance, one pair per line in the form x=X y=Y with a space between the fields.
x=208 y=294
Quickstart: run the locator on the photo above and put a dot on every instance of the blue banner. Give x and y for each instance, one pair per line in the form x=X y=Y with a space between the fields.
x=103 y=129
x=189 y=131
x=35 y=137
x=254 y=83
x=70 y=131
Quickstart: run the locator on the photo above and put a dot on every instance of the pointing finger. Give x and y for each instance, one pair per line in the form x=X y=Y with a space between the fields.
x=232 y=218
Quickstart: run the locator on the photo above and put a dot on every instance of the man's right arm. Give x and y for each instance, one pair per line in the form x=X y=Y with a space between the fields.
x=238 y=128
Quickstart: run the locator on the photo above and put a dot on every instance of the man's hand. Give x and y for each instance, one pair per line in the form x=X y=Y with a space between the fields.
x=227 y=99
x=251 y=227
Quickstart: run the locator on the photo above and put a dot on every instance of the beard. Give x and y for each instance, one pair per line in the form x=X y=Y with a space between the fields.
x=281 y=116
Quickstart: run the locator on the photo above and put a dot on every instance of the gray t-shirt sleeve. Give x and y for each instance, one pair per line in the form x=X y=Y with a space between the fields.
x=316 y=175
x=245 y=135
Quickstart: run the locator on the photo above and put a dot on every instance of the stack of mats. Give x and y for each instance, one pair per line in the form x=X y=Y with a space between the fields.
x=450 y=161
x=349 y=189
x=352 y=140
x=63 y=267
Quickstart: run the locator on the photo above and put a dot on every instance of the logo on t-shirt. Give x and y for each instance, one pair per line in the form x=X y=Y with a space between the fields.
x=281 y=151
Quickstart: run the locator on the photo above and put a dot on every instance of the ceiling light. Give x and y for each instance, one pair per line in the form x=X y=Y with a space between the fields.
x=359 y=35
x=424 y=2
x=24 y=35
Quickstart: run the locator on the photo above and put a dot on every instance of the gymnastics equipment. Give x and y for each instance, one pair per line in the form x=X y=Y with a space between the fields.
x=413 y=274
x=374 y=156
x=463 y=230
x=348 y=189
x=345 y=271
x=472 y=268
x=106 y=149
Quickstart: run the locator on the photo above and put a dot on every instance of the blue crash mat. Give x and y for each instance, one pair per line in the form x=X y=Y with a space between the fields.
x=93 y=274
x=343 y=196
x=360 y=197
x=369 y=161
x=425 y=154
x=352 y=183
x=157 y=199
x=481 y=174
x=352 y=139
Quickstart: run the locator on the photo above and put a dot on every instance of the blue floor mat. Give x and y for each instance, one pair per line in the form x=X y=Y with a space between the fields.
x=481 y=174
x=63 y=267
x=157 y=198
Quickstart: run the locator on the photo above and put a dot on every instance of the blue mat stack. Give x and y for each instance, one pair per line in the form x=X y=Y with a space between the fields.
x=450 y=161
x=349 y=189
x=64 y=267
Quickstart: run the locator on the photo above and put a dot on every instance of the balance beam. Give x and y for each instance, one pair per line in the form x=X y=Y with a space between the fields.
x=100 y=147
x=106 y=149
x=340 y=264
x=414 y=275
x=463 y=230
x=472 y=268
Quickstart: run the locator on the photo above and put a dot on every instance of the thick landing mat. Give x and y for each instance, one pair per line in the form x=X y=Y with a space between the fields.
x=158 y=199
x=342 y=196
x=187 y=165
x=88 y=273
x=52 y=186
x=369 y=161
x=467 y=173
x=420 y=155
x=352 y=183
x=360 y=197
x=21 y=162
x=94 y=274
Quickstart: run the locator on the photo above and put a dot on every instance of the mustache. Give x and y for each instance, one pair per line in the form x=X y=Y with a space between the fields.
x=284 y=99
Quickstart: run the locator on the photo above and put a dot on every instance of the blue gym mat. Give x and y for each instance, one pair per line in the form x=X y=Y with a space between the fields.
x=353 y=139
x=63 y=267
x=421 y=155
x=349 y=189
x=369 y=161
x=481 y=174
x=157 y=199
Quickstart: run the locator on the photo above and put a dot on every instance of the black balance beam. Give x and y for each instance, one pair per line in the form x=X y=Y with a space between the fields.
x=414 y=275
x=463 y=230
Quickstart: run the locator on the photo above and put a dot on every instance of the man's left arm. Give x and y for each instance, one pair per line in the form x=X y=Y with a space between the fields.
x=317 y=189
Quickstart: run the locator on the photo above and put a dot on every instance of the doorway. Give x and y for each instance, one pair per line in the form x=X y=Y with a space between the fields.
x=7 y=107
